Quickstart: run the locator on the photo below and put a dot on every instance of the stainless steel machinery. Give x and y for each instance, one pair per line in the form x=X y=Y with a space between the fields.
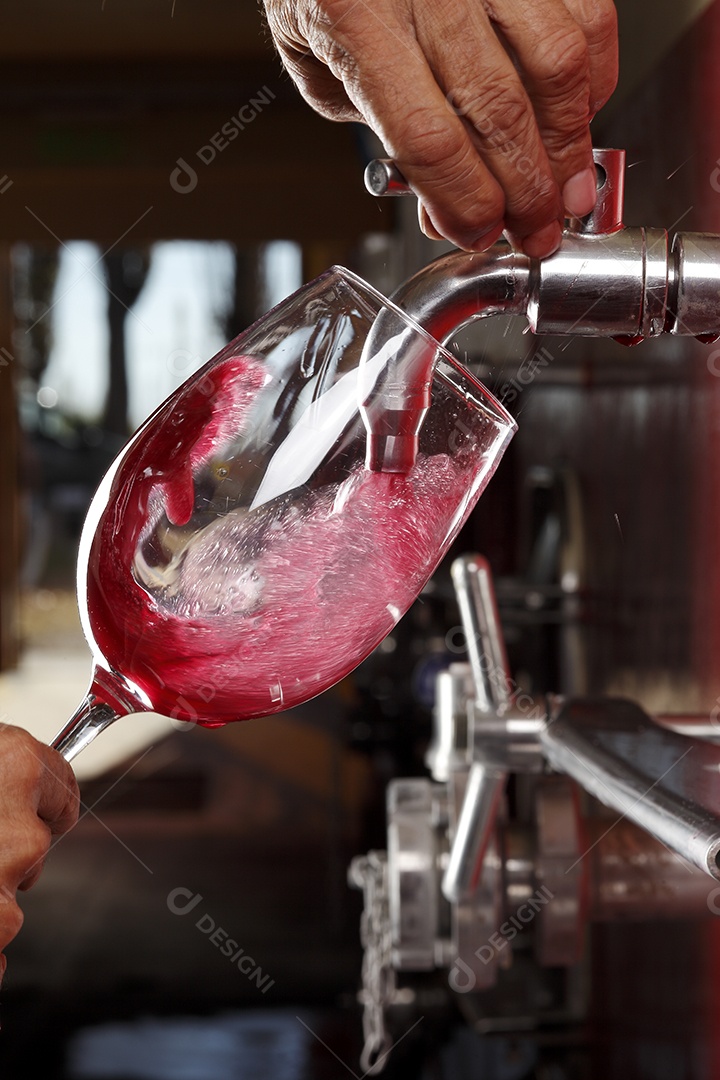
x=541 y=814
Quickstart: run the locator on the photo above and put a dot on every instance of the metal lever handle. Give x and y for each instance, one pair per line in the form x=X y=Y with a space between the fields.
x=475 y=593
x=667 y=783
x=383 y=177
x=473 y=583
x=473 y=832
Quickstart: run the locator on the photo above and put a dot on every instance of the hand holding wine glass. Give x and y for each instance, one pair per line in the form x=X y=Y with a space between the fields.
x=38 y=800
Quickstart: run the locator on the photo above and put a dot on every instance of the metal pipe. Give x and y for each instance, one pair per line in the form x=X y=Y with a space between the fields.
x=447 y=294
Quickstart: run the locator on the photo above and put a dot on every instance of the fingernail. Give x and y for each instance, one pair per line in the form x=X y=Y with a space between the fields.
x=432 y=233
x=426 y=224
x=580 y=193
x=487 y=238
x=544 y=242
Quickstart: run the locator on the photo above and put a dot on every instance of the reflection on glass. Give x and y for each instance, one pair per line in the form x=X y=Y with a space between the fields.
x=239 y=558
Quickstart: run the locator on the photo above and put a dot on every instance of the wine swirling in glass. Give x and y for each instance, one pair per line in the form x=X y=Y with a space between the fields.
x=239 y=558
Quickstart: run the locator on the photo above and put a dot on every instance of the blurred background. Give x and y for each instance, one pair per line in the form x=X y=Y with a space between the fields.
x=162 y=185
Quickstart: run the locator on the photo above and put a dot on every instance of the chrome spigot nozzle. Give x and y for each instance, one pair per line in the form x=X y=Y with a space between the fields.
x=605 y=280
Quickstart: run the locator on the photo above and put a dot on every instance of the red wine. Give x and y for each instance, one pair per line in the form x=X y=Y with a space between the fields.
x=215 y=612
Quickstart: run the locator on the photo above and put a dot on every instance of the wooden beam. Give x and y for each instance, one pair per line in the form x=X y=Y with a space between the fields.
x=244 y=205
x=112 y=28
x=165 y=151
x=9 y=465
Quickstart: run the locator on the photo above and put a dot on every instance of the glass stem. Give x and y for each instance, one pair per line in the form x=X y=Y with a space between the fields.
x=91 y=717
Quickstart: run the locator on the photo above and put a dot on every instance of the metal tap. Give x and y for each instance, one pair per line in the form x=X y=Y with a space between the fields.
x=605 y=280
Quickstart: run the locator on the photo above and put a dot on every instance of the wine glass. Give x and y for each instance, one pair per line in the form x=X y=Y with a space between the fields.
x=238 y=557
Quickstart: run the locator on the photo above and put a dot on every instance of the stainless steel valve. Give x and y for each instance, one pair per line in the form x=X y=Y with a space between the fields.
x=463 y=880
x=605 y=280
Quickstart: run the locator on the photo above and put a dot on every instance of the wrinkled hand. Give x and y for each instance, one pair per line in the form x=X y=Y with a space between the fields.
x=483 y=104
x=38 y=800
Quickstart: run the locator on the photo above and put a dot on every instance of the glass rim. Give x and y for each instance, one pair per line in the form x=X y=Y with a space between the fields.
x=489 y=401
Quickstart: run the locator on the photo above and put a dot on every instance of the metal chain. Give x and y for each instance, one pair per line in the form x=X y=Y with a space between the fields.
x=369 y=873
